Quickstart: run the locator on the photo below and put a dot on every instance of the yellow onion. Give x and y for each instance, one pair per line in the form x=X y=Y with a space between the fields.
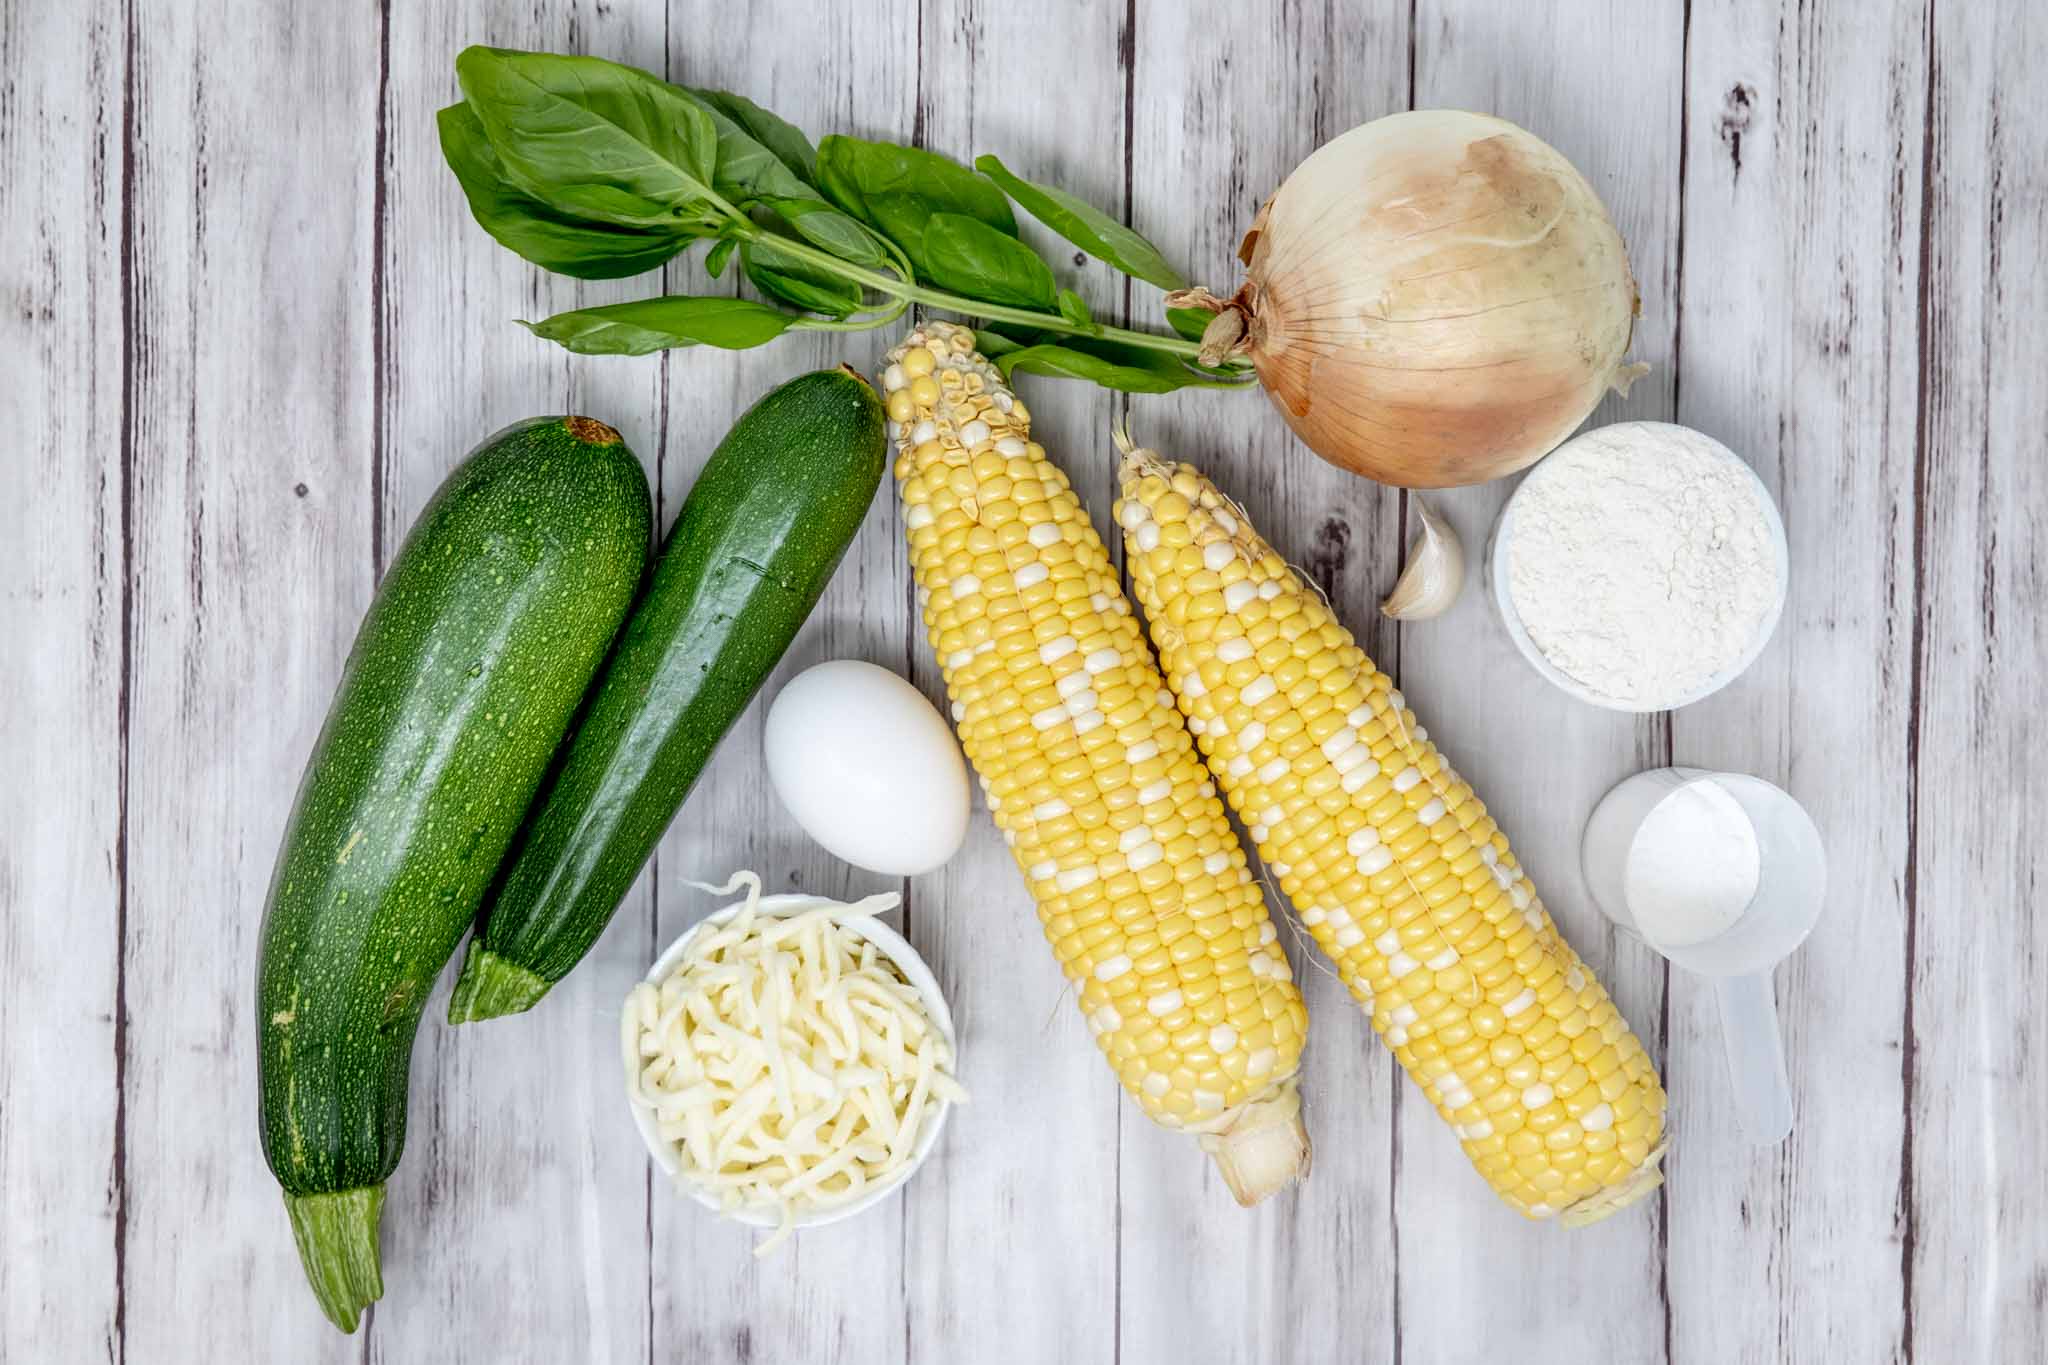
x=1435 y=298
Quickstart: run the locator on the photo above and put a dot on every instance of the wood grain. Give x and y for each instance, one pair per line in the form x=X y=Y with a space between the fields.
x=1198 y=1270
x=249 y=183
x=1976 y=1276
x=1799 y=350
x=248 y=326
x=1538 y=759
x=63 y=652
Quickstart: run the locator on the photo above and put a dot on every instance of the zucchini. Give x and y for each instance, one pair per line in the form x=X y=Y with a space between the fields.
x=465 y=674
x=753 y=547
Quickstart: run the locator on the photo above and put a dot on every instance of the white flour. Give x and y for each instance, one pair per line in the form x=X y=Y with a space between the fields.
x=1693 y=866
x=1640 y=561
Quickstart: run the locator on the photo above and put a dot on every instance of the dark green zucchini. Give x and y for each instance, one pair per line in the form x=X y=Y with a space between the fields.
x=753 y=547
x=464 y=677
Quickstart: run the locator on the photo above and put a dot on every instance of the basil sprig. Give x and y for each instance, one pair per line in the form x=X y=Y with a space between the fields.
x=596 y=170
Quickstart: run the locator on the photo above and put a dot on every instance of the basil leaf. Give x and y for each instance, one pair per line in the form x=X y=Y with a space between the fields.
x=968 y=255
x=592 y=138
x=780 y=275
x=784 y=139
x=1074 y=309
x=1189 y=322
x=746 y=170
x=818 y=223
x=902 y=218
x=762 y=159
x=1086 y=226
x=1064 y=362
x=720 y=253
x=993 y=344
x=554 y=241
x=910 y=184
x=1115 y=365
x=647 y=325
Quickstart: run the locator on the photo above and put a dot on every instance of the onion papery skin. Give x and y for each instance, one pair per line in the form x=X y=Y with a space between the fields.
x=1437 y=298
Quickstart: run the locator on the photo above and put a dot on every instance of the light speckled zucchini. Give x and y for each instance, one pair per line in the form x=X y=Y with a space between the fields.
x=464 y=676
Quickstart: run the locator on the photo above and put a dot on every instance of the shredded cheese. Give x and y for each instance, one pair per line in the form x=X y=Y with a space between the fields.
x=786 y=1060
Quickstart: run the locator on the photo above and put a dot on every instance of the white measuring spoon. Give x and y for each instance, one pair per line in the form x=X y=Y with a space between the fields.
x=1740 y=954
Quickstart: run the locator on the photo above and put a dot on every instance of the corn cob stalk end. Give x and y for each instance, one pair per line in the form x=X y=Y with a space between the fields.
x=1265 y=1149
x=1615 y=1198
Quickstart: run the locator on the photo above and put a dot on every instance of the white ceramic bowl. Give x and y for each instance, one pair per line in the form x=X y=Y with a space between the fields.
x=1496 y=572
x=894 y=947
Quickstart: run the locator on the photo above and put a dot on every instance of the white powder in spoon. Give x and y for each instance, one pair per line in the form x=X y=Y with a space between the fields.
x=1693 y=866
x=1641 y=561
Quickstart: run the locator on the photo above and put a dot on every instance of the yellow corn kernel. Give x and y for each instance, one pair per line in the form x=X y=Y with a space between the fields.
x=1391 y=861
x=1091 y=772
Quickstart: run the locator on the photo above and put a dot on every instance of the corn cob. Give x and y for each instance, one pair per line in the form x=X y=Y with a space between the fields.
x=1392 y=862
x=1088 y=770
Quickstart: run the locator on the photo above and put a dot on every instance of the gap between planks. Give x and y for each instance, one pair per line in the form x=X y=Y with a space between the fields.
x=1917 y=654
x=130 y=360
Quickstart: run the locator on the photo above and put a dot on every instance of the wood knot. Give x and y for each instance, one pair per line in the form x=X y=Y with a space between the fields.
x=1734 y=122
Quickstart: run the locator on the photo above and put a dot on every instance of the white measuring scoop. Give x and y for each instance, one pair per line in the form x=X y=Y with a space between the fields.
x=1724 y=875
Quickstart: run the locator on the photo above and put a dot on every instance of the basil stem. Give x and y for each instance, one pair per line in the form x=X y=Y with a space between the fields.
x=906 y=291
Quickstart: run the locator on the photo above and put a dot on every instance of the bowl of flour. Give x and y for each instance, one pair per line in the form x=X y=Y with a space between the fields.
x=1640 y=567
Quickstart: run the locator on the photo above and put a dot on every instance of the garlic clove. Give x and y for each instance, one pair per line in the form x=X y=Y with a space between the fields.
x=1435 y=571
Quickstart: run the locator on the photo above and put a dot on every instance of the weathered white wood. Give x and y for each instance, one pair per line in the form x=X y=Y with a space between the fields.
x=1227 y=99
x=250 y=188
x=312 y=309
x=836 y=1294
x=1032 y=1162
x=516 y=1224
x=1599 y=82
x=1799 y=349
x=1977 y=1111
x=62 y=668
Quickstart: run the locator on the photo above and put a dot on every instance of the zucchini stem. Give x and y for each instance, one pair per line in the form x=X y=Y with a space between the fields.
x=337 y=1237
x=491 y=985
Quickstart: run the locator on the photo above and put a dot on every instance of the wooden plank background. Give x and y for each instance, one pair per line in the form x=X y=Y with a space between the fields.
x=246 y=326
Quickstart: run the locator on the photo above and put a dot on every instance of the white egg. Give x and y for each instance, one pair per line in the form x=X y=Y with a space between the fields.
x=868 y=768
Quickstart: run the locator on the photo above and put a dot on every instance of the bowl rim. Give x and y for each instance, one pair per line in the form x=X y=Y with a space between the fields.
x=1499 y=537
x=915 y=971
